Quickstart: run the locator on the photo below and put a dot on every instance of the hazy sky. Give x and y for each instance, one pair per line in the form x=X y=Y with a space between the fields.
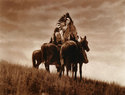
x=26 y=24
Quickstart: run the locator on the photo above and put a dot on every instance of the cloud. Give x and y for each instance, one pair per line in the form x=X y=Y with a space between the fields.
x=105 y=72
x=107 y=12
x=26 y=24
x=109 y=5
x=19 y=51
x=42 y=14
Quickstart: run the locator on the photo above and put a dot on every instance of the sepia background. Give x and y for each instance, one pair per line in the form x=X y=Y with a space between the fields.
x=26 y=24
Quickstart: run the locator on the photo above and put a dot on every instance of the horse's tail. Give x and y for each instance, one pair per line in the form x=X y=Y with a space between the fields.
x=33 y=60
x=43 y=52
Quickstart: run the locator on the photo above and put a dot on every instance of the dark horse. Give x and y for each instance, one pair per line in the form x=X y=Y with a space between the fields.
x=73 y=52
x=49 y=54
x=37 y=58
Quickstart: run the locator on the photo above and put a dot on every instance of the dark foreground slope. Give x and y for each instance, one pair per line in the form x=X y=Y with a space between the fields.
x=20 y=80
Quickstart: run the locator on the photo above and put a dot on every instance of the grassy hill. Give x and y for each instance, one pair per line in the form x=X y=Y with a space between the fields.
x=20 y=80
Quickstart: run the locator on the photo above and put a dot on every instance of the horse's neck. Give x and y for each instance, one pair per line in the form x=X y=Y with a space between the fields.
x=83 y=47
x=78 y=44
x=80 y=47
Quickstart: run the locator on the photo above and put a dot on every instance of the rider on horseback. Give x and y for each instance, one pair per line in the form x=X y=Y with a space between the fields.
x=64 y=30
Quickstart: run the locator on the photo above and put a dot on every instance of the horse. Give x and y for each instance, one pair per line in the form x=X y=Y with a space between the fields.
x=72 y=53
x=49 y=53
x=37 y=58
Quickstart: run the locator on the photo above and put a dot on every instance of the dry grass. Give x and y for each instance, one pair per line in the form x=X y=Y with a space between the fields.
x=20 y=80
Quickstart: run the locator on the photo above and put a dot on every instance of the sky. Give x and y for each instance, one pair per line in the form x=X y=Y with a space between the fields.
x=26 y=24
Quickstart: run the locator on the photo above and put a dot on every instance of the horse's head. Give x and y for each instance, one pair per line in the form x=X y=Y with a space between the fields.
x=84 y=43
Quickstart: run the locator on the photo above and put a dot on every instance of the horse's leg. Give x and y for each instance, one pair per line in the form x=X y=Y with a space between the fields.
x=64 y=62
x=58 y=65
x=34 y=62
x=47 y=66
x=62 y=66
x=48 y=69
x=72 y=69
x=63 y=70
x=67 y=70
x=59 y=68
x=60 y=74
x=38 y=63
x=80 y=70
x=68 y=67
x=75 y=69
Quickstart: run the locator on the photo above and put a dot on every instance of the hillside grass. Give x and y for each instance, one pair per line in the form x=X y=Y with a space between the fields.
x=20 y=80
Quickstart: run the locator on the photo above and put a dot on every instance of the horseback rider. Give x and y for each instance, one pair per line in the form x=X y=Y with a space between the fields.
x=64 y=30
